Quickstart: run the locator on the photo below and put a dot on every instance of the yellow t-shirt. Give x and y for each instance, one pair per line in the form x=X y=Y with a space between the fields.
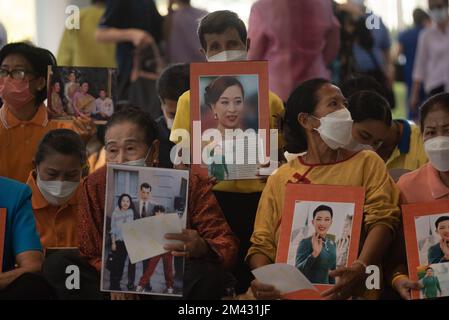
x=410 y=153
x=78 y=47
x=364 y=169
x=182 y=121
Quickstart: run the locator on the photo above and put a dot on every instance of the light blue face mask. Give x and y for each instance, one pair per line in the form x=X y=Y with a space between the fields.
x=139 y=162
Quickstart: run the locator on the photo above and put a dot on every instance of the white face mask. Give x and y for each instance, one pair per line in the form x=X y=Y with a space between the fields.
x=169 y=122
x=439 y=15
x=56 y=192
x=231 y=55
x=336 y=129
x=437 y=149
x=139 y=162
x=355 y=146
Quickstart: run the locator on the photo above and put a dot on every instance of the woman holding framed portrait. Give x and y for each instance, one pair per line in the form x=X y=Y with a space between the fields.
x=318 y=127
x=425 y=185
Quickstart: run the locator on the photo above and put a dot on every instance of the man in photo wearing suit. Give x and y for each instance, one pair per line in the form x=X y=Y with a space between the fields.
x=144 y=208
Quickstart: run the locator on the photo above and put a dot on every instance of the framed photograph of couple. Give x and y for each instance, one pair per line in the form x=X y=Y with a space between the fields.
x=75 y=91
x=230 y=107
x=426 y=230
x=142 y=206
x=320 y=232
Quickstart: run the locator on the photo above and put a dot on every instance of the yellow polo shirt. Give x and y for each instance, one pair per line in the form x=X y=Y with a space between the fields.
x=410 y=153
x=182 y=121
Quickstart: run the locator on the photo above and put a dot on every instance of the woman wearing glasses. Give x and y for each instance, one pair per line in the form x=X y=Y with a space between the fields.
x=23 y=116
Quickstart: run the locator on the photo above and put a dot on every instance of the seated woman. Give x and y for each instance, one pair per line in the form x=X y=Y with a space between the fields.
x=427 y=184
x=22 y=251
x=55 y=185
x=317 y=255
x=318 y=123
x=397 y=142
x=209 y=245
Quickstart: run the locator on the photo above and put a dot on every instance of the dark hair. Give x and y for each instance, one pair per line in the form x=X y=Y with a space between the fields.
x=138 y=117
x=441 y=219
x=439 y=100
x=446 y=3
x=62 y=141
x=368 y=105
x=363 y=35
x=429 y=268
x=323 y=208
x=420 y=17
x=145 y=185
x=218 y=22
x=119 y=202
x=158 y=208
x=302 y=100
x=173 y=82
x=216 y=88
x=39 y=59
x=360 y=82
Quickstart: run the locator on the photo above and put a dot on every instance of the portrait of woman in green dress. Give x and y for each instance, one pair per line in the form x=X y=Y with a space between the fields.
x=218 y=167
x=430 y=285
x=317 y=255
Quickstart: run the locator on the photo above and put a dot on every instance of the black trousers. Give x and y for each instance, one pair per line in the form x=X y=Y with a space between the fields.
x=29 y=286
x=202 y=280
x=240 y=211
x=120 y=256
x=132 y=273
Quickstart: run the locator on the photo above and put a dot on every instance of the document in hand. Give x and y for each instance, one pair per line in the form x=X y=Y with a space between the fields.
x=145 y=238
x=284 y=277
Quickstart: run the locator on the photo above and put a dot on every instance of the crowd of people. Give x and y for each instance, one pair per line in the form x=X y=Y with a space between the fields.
x=331 y=99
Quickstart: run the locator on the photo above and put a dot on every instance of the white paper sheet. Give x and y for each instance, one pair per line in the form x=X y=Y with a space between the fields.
x=283 y=277
x=144 y=238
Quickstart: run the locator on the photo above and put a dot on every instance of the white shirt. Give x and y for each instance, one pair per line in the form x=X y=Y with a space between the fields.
x=149 y=206
x=105 y=106
x=432 y=59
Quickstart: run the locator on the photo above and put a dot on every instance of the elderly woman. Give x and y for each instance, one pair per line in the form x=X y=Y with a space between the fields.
x=208 y=243
x=426 y=184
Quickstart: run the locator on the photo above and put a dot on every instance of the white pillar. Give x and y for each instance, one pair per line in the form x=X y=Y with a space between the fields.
x=50 y=21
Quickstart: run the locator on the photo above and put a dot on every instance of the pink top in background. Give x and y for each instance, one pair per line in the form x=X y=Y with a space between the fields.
x=299 y=38
x=183 y=44
x=422 y=185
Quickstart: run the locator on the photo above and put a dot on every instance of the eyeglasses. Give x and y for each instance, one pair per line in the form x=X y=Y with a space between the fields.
x=15 y=74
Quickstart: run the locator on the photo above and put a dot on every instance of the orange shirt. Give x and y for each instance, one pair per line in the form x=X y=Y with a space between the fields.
x=56 y=225
x=422 y=185
x=19 y=141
